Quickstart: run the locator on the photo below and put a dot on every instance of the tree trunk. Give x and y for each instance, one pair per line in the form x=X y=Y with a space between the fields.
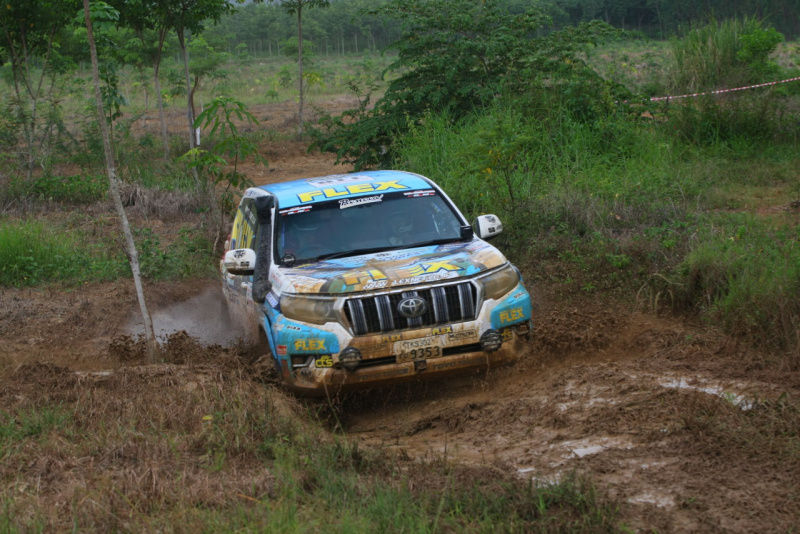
x=189 y=103
x=162 y=34
x=133 y=256
x=300 y=67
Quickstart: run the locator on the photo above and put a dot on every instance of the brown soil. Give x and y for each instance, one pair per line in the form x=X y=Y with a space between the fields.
x=682 y=426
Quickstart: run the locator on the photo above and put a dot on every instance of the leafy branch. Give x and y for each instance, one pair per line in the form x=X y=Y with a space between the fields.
x=221 y=162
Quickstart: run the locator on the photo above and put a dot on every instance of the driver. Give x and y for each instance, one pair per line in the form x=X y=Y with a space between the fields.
x=401 y=227
x=306 y=234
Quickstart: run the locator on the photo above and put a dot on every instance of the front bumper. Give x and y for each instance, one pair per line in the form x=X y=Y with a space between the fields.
x=324 y=359
x=313 y=381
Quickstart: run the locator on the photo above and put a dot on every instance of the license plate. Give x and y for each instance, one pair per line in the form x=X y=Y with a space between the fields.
x=417 y=349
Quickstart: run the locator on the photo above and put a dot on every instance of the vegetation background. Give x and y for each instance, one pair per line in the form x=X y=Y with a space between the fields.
x=539 y=112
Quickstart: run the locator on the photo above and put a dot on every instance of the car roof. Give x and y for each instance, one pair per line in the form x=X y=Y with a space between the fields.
x=340 y=186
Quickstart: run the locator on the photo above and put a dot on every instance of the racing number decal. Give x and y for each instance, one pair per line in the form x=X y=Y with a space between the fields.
x=423 y=353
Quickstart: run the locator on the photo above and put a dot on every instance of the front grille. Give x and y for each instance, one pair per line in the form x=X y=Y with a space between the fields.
x=446 y=304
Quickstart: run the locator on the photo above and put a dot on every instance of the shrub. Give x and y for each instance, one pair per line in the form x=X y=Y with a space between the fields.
x=745 y=273
x=33 y=253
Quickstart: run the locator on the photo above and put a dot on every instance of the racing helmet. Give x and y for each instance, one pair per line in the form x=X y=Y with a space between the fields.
x=400 y=221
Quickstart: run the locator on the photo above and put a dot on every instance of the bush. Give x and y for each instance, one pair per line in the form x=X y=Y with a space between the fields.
x=746 y=274
x=80 y=188
x=32 y=253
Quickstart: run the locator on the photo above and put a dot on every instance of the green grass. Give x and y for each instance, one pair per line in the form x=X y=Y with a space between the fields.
x=33 y=253
x=625 y=206
x=33 y=424
x=745 y=271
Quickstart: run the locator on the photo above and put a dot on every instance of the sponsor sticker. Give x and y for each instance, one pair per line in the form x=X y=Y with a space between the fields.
x=511 y=315
x=442 y=275
x=292 y=211
x=339 y=190
x=323 y=361
x=309 y=344
x=461 y=336
x=352 y=202
x=380 y=284
x=423 y=193
x=282 y=350
x=441 y=330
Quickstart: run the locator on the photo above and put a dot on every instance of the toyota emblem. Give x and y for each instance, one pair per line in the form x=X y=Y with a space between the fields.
x=412 y=307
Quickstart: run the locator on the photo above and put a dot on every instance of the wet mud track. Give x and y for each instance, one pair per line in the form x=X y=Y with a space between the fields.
x=666 y=420
x=681 y=427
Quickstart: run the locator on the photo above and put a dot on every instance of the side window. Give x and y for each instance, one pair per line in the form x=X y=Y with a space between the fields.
x=245 y=226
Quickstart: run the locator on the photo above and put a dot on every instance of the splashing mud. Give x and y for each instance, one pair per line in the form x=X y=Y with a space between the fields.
x=203 y=317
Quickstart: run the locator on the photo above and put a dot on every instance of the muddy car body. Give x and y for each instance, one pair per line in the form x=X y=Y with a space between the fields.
x=369 y=279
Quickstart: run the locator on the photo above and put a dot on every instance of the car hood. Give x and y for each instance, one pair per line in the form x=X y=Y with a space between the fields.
x=392 y=269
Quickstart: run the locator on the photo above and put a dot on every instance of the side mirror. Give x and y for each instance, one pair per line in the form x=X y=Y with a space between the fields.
x=487 y=226
x=240 y=261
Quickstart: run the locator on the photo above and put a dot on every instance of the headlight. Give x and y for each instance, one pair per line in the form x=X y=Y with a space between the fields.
x=309 y=309
x=499 y=283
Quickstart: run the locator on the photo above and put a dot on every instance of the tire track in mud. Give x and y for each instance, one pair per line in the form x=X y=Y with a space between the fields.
x=629 y=400
x=680 y=426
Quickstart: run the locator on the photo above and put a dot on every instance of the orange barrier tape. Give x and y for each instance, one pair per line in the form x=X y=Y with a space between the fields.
x=720 y=91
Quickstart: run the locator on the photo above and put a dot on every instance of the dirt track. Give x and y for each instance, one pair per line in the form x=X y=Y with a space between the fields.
x=680 y=425
x=664 y=418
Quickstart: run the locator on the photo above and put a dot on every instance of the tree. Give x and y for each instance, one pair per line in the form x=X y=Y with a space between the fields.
x=30 y=31
x=205 y=63
x=295 y=7
x=455 y=56
x=190 y=15
x=103 y=10
x=221 y=162
x=140 y=16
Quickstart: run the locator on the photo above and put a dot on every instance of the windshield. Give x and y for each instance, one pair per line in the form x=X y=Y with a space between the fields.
x=364 y=224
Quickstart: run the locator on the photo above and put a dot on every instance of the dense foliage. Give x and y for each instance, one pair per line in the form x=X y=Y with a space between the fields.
x=503 y=104
x=455 y=56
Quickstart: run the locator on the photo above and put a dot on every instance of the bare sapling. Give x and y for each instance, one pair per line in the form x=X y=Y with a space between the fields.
x=113 y=189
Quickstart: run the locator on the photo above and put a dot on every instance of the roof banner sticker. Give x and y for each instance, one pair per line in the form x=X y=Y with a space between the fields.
x=292 y=211
x=423 y=193
x=340 y=179
x=349 y=190
x=352 y=202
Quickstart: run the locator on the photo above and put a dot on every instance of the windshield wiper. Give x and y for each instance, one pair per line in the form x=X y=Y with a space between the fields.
x=435 y=242
x=359 y=251
x=372 y=250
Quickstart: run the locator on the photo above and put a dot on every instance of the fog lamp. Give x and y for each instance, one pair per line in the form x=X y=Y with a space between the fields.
x=491 y=340
x=350 y=358
x=523 y=329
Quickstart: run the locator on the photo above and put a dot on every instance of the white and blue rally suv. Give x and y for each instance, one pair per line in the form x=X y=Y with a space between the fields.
x=369 y=279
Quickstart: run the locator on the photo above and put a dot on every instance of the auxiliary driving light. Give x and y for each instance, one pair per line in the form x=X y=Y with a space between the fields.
x=350 y=358
x=523 y=329
x=491 y=340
